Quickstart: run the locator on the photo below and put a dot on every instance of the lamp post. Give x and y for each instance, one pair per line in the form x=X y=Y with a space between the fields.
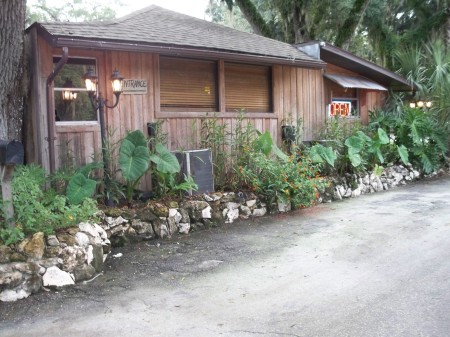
x=99 y=103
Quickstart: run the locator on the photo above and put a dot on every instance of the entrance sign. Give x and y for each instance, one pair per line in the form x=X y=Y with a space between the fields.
x=134 y=86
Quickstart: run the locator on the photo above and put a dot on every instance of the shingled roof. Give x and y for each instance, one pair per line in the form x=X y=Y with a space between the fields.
x=160 y=30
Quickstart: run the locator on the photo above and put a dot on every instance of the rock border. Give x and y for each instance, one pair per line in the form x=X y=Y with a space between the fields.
x=78 y=253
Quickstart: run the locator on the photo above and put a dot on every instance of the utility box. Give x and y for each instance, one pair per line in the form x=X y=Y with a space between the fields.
x=11 y=152
x=198 y=165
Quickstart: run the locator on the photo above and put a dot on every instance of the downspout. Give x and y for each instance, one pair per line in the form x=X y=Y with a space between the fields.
x=50 y=113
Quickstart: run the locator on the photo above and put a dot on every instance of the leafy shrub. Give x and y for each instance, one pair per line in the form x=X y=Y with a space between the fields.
x=277 y=177
x=291 y=181
x=37 y=209
x=333 y=135
x=229 y=149
x=425 y=139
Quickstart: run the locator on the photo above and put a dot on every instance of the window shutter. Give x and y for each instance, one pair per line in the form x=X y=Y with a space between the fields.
x=248 y=87
x=188 y=85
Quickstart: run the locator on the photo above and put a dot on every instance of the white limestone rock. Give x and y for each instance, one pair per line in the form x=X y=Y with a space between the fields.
x=55 y=277
x=184 y=227
x=82 y=239
x=9 y=295
x=206 y=212
x=283 y=207
x=232 y=215
x=259 y=211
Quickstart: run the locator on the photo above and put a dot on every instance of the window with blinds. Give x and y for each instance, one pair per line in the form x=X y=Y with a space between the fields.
x=188 y=85
x=248 y=87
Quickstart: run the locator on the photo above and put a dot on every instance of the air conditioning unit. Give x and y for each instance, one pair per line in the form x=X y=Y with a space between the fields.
x=198 y=165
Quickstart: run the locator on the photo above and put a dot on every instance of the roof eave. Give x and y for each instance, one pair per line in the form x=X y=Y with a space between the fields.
x=177 y=50
x=338 y=52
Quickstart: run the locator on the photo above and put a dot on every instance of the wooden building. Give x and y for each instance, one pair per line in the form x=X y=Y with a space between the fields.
x=353 y=86
x=177 y=69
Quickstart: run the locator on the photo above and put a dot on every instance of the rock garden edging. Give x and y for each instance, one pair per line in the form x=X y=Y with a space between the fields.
x=77 y=254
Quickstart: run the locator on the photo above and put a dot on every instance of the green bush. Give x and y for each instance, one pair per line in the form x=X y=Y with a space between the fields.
x=425 y=139
x=334 y=135
x=229 y=147
x=292 y=181
x=39 y=210
x=274 y=176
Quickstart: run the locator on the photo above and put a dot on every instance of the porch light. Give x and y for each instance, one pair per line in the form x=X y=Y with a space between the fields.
x=117 y=81
x=68 y=95
x=90 y=80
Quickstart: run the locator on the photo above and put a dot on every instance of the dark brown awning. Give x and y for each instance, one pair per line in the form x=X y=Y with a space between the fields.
x=357 y=82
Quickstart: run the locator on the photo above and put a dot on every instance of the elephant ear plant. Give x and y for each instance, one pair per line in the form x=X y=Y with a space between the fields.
x=134 y=158
x=166 y=168
x=80 y=185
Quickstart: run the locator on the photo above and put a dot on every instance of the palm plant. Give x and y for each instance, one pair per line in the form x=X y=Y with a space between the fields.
x=428 y=69
x=424 y=137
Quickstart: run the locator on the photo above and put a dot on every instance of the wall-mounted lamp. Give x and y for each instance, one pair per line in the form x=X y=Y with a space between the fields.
x=99 y=103
x=68 y=95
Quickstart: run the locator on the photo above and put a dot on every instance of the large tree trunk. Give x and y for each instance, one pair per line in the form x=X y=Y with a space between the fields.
x=12 y=19
x=350 y=26
x=254 y=18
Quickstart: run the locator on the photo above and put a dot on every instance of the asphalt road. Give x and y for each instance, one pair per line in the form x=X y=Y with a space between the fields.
x=377 y=265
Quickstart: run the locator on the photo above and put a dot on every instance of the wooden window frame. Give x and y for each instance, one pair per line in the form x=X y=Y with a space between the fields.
x=257 y=81
x=221 y=104
x=341 y=98
x=75 y=60
x=203 y=95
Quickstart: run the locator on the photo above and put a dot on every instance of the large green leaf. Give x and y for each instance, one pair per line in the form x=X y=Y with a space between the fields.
x=320 y=153
x=86 y=169
x=355 y=144
x=379 y=155
x=80 y=188
x=264 y=143
x=403 y=153
x=134 y=156
x=355 y=159
x=279 y=153
x=363 y=136
x=137 y=138
x=165 y=161
x=382 y=136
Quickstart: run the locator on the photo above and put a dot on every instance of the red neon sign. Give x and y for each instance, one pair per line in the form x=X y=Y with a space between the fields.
x=340 y=108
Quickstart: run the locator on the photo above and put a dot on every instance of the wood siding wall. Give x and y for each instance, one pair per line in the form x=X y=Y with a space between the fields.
x=297 y=93
x=300 y=96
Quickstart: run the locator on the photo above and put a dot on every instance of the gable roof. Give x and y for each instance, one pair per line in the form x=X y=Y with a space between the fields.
x=156 y=29
x=342 y=58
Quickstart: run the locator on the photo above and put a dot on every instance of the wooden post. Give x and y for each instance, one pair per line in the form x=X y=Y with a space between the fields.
x=8 y=208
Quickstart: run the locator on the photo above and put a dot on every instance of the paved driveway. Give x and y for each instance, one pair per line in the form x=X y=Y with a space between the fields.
x=377 y=265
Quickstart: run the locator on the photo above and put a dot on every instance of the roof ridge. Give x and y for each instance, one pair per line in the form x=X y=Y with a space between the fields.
x=137 y=12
